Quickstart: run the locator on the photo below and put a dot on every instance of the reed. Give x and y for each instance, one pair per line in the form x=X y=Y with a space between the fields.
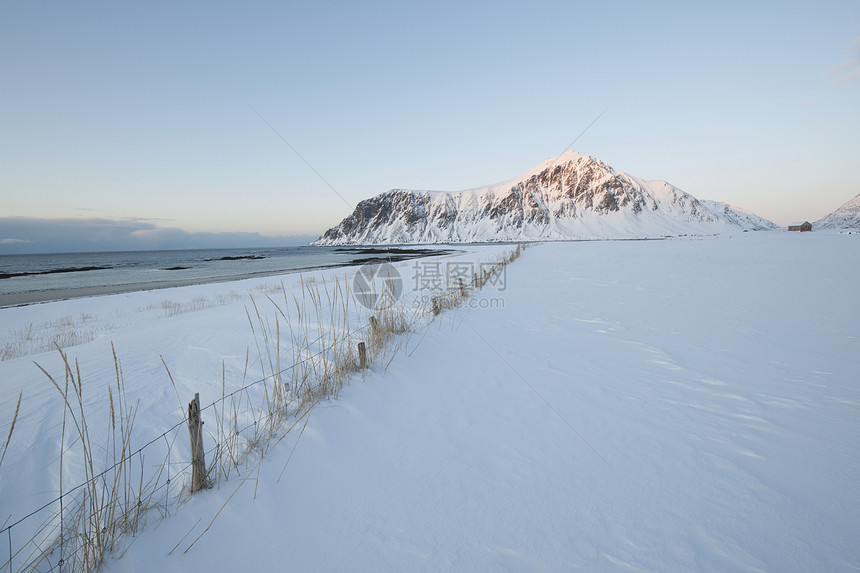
x=168 y=308
x=115 y=494
x=65 y=332
x=305 y=348
x=11 y=428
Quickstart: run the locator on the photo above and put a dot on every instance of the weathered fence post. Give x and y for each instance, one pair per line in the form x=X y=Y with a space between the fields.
x=362 y=356
x=436 y=306
x=198 y=461
x=374 y=324
x=462 y=288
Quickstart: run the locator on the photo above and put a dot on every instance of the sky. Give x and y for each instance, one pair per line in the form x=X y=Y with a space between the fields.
x=198 y=123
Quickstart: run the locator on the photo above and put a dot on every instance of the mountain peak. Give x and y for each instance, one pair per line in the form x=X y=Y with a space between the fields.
x=566 y=157
x=569 y=156
x=570 y=196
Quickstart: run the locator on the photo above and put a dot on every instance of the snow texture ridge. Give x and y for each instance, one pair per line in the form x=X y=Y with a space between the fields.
x=572 y=196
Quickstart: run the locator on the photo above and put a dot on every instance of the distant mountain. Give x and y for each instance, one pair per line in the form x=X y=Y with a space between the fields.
x=572 y=196
x=741 y=217
x=845 y=217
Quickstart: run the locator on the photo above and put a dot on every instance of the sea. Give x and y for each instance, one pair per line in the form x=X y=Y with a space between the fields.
x=56 y=273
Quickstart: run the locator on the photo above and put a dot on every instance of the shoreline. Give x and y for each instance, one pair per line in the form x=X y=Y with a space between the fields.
x=45 y=296
x=38 y=297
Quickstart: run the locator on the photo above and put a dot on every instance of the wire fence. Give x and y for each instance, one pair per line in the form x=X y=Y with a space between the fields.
x=39 y=558
x=55 y=544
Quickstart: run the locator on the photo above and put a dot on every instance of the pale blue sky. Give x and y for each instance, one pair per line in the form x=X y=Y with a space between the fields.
x=145 y=114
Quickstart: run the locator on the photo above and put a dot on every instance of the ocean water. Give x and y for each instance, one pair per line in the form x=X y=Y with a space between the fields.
x=61 y=272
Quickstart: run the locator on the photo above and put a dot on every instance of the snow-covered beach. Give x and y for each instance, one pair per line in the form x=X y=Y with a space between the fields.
x=28 y=279
x=677 y=405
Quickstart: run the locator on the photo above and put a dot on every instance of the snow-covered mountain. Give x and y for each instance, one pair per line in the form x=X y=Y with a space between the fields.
x=845 y=217
x=572 y=196
x=741 y=217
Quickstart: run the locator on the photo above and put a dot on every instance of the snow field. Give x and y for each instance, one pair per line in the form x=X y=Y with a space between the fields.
x=677 y=405
x=214 y=338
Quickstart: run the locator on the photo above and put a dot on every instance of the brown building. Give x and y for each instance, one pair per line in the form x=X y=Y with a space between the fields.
x=805 y=226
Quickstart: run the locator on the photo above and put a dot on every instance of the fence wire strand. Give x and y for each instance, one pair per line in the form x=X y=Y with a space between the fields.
x=163 y=436
x=274 y=376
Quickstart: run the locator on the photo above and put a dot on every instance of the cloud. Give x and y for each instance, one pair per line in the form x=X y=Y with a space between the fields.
x=849 y=71
x=27 y=235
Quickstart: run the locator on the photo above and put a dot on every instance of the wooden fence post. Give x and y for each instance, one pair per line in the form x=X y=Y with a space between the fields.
x=198 y=462
x=362 y=355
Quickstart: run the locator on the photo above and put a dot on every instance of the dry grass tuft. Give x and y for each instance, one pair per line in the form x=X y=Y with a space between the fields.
x=64 y=332
x=167 y=308
x=306 y=348
x=453 y=296
x=11 y=428
x=110 y=503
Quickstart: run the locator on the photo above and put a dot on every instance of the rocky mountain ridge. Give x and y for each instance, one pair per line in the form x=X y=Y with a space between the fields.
x=845 y=217
x=572 y=196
